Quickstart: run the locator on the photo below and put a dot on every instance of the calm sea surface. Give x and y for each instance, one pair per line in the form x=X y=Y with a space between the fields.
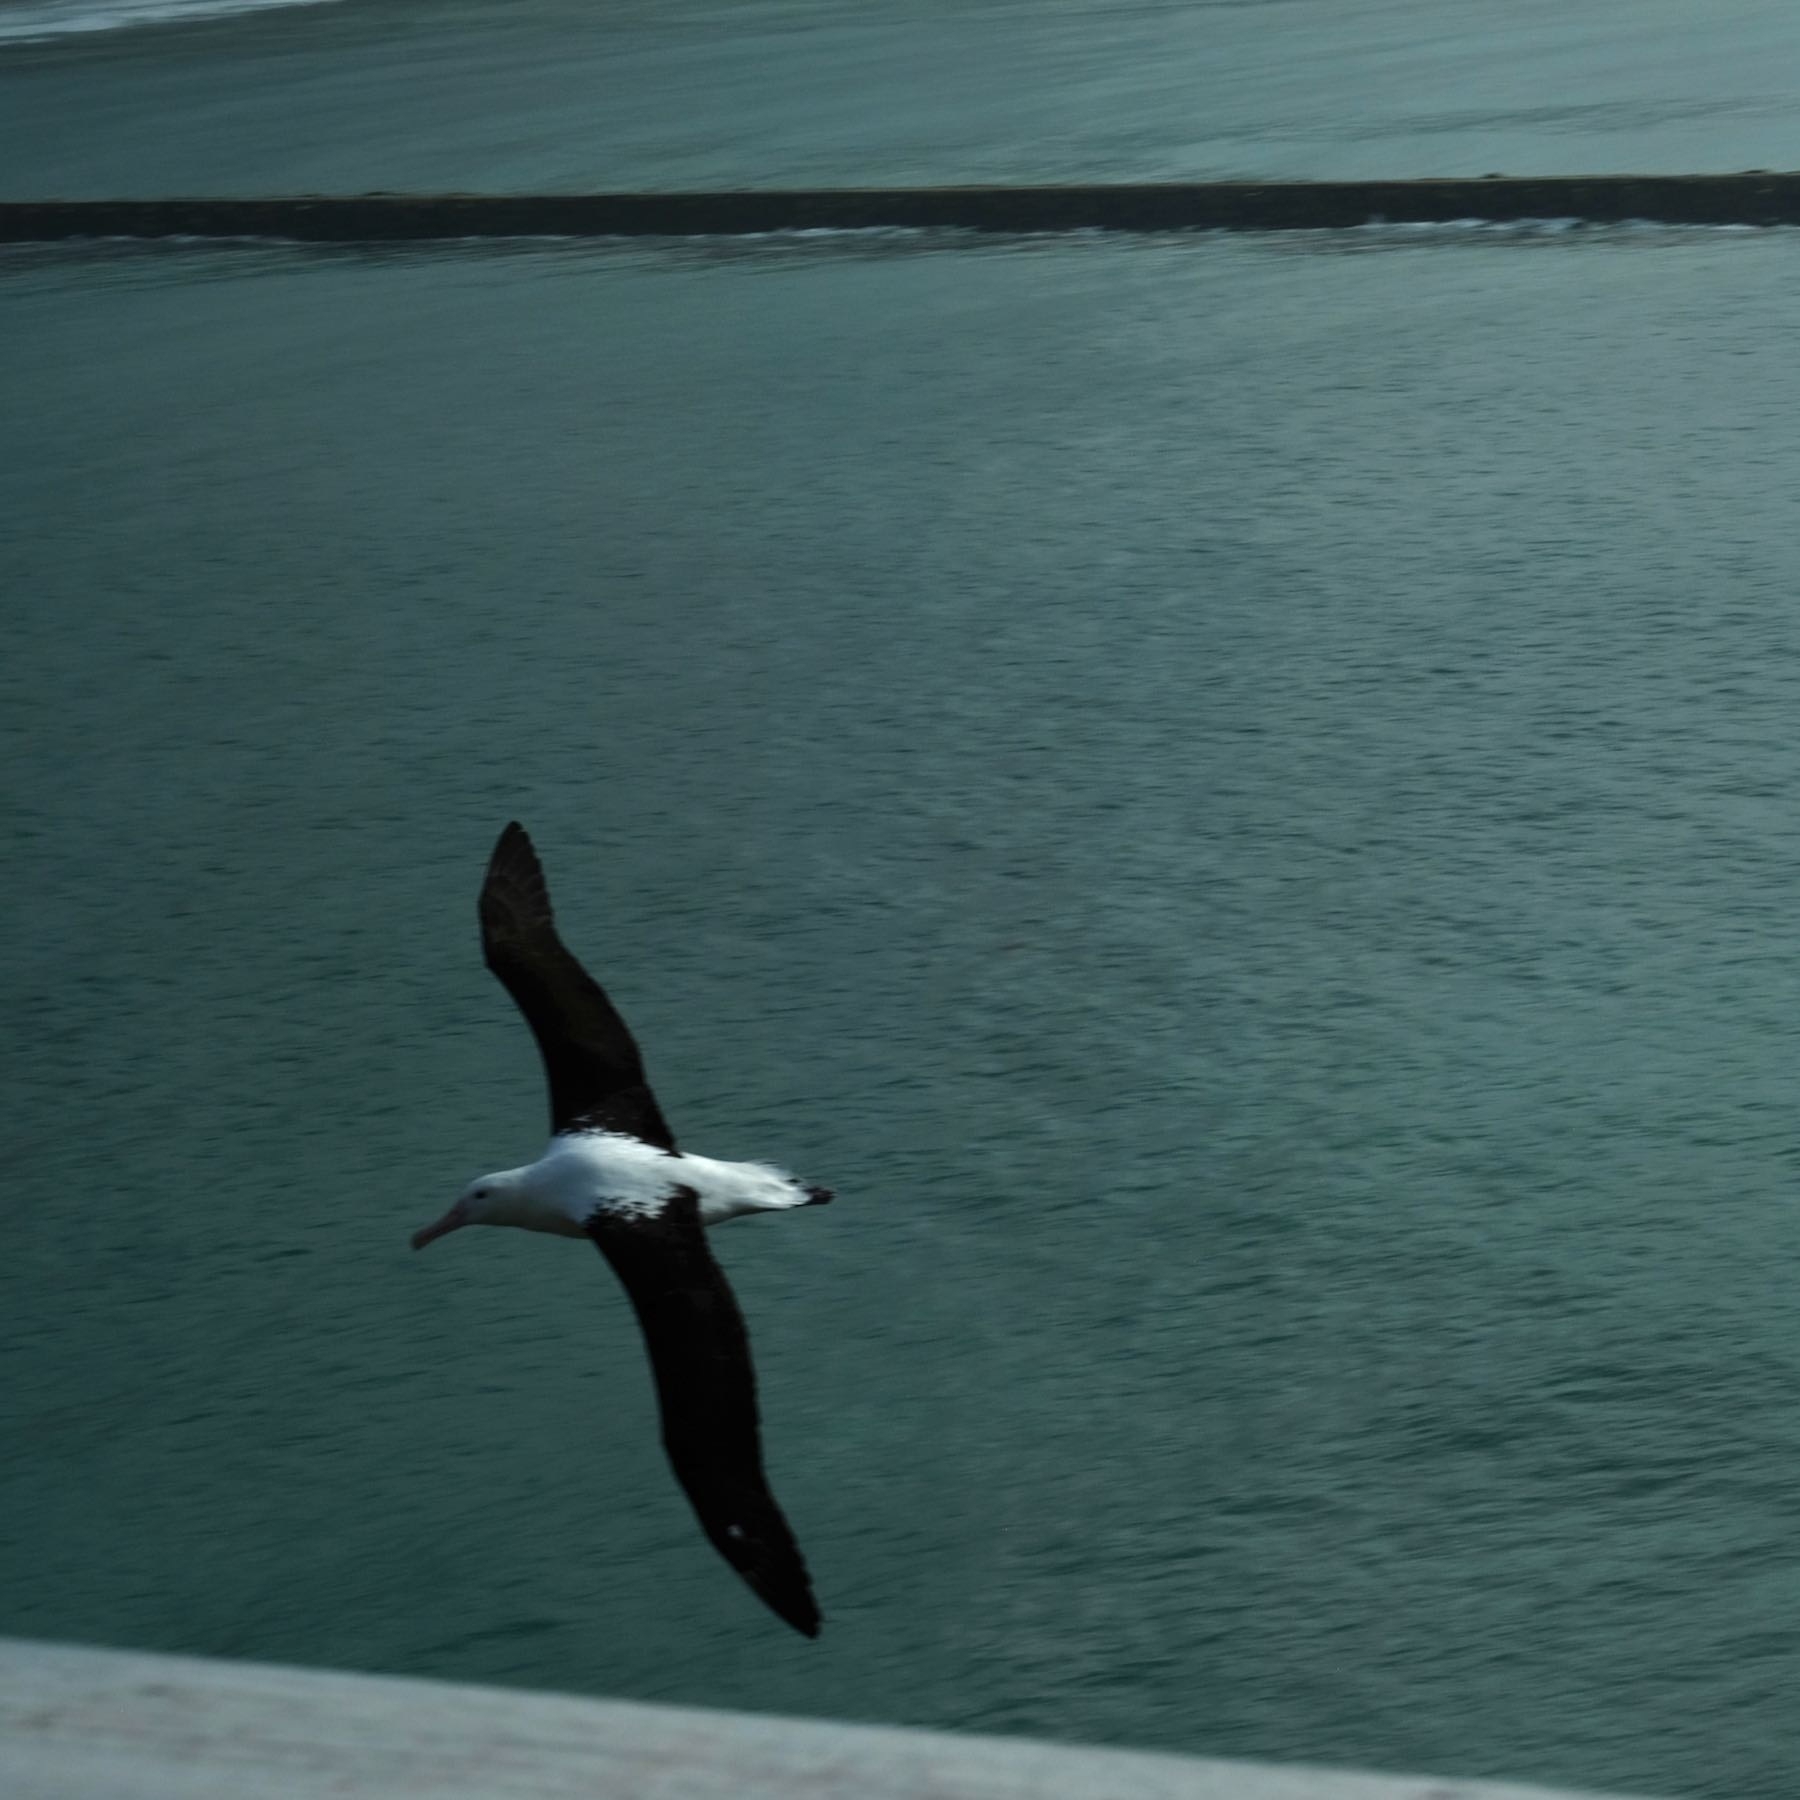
x=1235 y=797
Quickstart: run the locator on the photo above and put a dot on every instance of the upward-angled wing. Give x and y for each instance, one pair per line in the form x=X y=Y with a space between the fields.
x=700 y=1356
x=595 y=1073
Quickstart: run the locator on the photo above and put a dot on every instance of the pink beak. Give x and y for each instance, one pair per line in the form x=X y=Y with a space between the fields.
x=453 y=1220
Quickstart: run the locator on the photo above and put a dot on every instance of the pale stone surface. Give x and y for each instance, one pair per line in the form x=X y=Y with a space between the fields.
x=85 y=1724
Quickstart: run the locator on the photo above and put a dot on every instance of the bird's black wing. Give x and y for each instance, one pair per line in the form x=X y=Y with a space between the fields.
x=700 y=1356
x=595 y=1073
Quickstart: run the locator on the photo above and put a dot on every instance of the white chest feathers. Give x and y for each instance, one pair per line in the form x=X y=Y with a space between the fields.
x=587 y=1171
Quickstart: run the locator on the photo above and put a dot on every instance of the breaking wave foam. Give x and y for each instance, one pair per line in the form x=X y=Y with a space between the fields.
x=33 y=21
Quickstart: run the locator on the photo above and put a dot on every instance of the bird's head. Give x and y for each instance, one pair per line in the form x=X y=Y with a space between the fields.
x=489 y=1201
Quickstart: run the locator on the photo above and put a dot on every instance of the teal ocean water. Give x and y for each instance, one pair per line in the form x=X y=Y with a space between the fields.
x=1233 y=797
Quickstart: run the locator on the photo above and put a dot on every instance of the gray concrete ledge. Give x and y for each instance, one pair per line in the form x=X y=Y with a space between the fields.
x=1754 y=198
x=81 y=1724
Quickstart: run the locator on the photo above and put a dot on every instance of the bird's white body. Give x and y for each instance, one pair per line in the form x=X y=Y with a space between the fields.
x=583 y=1172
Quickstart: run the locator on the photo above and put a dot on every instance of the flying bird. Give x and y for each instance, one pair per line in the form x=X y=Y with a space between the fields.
x=613 y=1173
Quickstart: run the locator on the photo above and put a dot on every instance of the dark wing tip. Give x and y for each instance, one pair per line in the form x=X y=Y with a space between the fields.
x=750 y=1532
x=514 y=889
x=779 y=1580
x=514 y=854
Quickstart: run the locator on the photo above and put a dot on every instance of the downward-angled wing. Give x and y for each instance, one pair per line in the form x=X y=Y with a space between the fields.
x=595 y=1073
x=700 y=1356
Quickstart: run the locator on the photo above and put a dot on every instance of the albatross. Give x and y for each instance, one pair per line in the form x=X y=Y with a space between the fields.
x=612 y=1173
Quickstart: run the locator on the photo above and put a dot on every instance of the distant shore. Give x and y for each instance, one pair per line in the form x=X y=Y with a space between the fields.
x=1753 y=198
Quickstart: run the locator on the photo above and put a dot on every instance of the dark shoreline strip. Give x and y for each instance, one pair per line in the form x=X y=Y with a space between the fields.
x=1754 y=198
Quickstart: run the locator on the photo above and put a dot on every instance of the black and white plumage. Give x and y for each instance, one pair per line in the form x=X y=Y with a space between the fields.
x=612 y=1173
